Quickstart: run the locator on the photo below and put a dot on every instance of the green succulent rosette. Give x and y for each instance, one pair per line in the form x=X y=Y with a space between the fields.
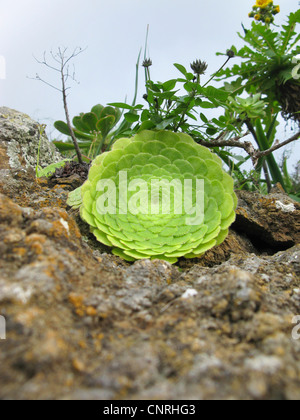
x=150 y=229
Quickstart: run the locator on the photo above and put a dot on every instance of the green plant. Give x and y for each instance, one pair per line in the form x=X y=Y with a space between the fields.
x=268 y=65
x=267 y=75
x=50 y=170
x=242 y=109
x=91 y=130
x=264 y=83
x=177 y=103
x=142 y=225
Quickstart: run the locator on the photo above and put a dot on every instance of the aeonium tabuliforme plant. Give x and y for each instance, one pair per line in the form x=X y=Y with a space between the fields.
x=157 y=195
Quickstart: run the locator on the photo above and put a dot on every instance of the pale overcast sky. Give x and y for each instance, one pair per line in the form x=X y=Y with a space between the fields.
x=114 y=31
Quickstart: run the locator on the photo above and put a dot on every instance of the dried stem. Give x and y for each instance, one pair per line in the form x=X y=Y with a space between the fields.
x=234 y=142
x=246 y=145
x=277 y=146
x=63 y=61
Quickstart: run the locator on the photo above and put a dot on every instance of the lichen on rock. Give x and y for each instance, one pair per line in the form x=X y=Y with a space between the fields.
x=19 y=142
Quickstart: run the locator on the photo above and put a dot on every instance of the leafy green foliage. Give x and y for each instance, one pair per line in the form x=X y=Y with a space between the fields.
x=165 y=157
x=250 y=98
x=91 y=129
x=173 y=104
x=249 y=108
x=267 y=60
x=50 y=170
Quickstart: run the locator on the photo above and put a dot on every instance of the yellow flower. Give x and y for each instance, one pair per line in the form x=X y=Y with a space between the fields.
x=277 y=9
x=263 y=3
x=257 y=17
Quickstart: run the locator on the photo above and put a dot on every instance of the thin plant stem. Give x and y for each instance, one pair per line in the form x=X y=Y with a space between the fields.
x=42 y=128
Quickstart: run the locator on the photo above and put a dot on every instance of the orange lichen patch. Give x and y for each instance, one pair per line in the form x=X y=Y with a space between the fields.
x=242 y=212
x=77 y=302
x=80 y=309
x=80 y=312
x=21 y=252
x=43 y=182
x=4 y=159
x=78 y=365
x=28 y=316
x=82 y=344
x=63 y=214
x=98 y=346
x=74 y=230
x=10 y=213
x=59 y=230
x=33 y=238
x=280 y=351
x=52 y=201
x=100 y=336
x=51 y=267
x=72 y=225
x=69 y=382
x=36 y=242
x=91 y=311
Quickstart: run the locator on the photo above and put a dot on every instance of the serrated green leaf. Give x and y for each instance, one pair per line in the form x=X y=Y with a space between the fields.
x=49 y=170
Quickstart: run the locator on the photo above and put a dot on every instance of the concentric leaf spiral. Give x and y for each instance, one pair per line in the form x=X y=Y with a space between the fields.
x=163 y=156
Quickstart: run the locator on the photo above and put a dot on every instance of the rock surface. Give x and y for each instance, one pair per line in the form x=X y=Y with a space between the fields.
x=83 y=324
x=19 y=142
x=271 y=221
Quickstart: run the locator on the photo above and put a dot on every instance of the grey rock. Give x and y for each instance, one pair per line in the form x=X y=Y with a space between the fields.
x=19 y=142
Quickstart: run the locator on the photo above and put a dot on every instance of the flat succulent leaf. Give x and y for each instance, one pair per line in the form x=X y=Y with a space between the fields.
x=62 y=127
x=75 y=198
x=97 y=110
x=153 y=212
x=80 y=125
x=84 y=137
x=90 y=119
x=105 y=124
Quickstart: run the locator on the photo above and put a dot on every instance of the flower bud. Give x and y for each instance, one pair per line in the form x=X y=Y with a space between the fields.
x=199 y=67
x=147 y=63
x=230 y=53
